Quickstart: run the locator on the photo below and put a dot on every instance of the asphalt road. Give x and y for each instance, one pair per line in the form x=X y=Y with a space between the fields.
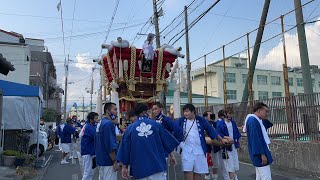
x=73 y=171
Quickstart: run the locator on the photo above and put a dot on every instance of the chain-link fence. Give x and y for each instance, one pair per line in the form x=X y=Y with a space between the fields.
x=296 y=118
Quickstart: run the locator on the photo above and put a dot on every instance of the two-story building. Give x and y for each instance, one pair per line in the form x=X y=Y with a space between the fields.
x=33 y=65
x=266 y=83
x=14 y=49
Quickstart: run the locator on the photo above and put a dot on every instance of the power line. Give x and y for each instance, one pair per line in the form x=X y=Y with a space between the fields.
x=176 y=17
x=62 y=28
x=74 y=9
x=258 y=28
x=214 y=32
x=182 y=19
x=149 y=20
x=133 y=15
x=312 y=11
x=49 y=17
x=110 y=25
x=194 y=22
x=94 y=33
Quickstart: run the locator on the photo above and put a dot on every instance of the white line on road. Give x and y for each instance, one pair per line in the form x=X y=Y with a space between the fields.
x=75 y=177
x=80 y=162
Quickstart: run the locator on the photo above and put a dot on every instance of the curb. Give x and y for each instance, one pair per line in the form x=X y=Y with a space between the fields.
x=45 y=167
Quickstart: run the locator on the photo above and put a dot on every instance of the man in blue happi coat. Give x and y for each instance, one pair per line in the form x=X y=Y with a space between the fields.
x=166 y=122
x=66 y=131
x=193 y=154
x=106 y=145
x=87 y=145
x=144 y=147
x=227 y=128
x=258 y=141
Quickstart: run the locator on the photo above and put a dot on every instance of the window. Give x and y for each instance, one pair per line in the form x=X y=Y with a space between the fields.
x=232 y=94
x=299 y=82
x=262 y=80
x=290 y=80
x=291 y=93
x=263 y=95
x=230 y=77
x=276 y=94
x=275 y=80
x=245 y=77
x=313 y=82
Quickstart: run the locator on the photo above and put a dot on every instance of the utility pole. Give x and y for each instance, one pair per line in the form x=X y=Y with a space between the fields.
x=156 y=23
x=249 y=73
x=156 y=29
x=303 y=48
x=91 y=92
x=285 y=65
x=205 y=83
x=188 y=55
x=102 y=85
x=66 y=64
x=225 y=98
x=47 y=82
x=83 y=108
x=256 y=48
x=286 y=83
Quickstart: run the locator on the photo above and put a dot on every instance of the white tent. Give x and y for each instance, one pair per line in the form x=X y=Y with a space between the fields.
x=21 y=108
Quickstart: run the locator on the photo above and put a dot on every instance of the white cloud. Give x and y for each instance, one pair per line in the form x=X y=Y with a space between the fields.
x=83 y=61
x=79 y=76
x=274 y=58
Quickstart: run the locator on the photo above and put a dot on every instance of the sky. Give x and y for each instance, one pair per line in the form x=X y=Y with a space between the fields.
x=86 y=24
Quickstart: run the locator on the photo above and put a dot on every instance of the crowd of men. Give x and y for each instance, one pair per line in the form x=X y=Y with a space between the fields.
x=207 y=146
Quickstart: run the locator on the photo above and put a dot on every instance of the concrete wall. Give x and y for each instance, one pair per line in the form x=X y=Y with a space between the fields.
x=302 y=156
x=20 y=57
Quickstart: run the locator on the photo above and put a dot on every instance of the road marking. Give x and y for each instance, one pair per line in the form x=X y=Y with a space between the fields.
x=248 y=164
x=49 y=159
x=75 y=177
x=80 y=162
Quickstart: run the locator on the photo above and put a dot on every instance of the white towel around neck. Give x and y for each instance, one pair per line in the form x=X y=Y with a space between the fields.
x=263 y=129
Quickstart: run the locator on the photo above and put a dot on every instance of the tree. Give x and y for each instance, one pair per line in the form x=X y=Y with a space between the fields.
x=49 y=115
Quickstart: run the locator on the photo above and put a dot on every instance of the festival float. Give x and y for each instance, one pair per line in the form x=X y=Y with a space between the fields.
x=136 y=75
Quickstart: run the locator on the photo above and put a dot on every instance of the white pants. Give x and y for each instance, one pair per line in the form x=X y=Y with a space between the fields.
x=158 y=176
x=232 y=163
x=66 y=147
x=194 y=163
x=87 y=167
x=73 y=149
x=219 y=164
x=263 y=173
x=107 y=173
x=60 y=144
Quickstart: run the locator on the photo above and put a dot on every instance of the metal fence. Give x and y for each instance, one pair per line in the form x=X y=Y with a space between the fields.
x=295 y=118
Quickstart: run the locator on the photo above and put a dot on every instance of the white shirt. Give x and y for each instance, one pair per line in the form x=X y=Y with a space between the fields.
x=230 y=129
x=192 y=142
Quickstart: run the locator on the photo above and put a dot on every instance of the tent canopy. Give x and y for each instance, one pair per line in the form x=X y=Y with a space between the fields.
x=17 y=89
x=21 y=105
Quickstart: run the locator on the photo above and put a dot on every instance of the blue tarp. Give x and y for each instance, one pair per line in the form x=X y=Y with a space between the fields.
x=16 y=89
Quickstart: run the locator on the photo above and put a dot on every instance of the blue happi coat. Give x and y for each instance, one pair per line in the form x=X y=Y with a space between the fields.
x=144 y=146
x=203 y=125
x=256 y=143
x=66 y=133
x=105 y=142
x=170 y=125
x=87 y=140
x=223 y=131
